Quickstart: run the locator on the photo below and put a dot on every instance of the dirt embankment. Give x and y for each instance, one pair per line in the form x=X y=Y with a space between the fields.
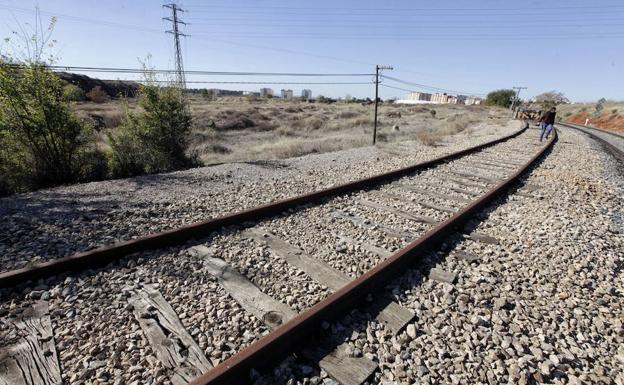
x=606 y=120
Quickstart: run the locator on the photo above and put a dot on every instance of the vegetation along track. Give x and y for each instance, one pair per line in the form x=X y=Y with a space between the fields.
x=281 y=271
x=612 y=141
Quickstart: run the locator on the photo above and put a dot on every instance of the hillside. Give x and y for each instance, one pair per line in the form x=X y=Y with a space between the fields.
x=114 y=88
x=611 y=117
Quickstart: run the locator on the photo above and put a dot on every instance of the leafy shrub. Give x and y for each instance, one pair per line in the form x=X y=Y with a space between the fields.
x=500 y=98
x=155 y=139
x=97 y=95
x=43 y=142
x=73 y=93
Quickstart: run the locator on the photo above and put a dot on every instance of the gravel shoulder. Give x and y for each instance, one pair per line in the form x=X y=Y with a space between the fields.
x=58 y=222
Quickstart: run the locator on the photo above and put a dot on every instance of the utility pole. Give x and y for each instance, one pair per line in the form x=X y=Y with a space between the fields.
x=176 y=41
x=377 y=68
x=518 y=89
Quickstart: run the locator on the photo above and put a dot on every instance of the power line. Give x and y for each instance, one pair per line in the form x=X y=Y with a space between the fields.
x=420 y=26
x=443 y=15
x=433 y=37
x=204 y=5
x=410 y=90
x=144 y=29
x=397 y=88
x=282 y=50
x=83 y=19
x=410 y=12
x=196 y=72
x=424 y=86
x=245 y=82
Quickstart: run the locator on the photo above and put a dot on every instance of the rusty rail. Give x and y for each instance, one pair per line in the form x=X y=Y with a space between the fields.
x=289 y=337
x=574 y=125
x=105 y=254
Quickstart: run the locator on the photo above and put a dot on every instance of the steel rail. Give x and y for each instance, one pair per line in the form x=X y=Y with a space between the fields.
x=616 y=151
x=574 y=125
x=292 y=335
x=103 y=255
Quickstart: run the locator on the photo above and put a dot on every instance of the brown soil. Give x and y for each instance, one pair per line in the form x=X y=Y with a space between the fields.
x=607 y=120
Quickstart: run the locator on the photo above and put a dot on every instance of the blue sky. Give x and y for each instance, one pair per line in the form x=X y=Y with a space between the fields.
x=576 y=47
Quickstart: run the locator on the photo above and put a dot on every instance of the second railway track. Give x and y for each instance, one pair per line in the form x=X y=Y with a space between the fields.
x=612 y=141
x=264 y=281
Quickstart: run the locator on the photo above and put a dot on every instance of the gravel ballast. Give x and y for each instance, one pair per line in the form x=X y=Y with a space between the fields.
x=58 y=222
x=545 y=305
x=535 y=307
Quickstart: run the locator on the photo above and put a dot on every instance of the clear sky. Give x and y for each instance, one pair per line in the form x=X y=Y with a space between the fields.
x=576 y=47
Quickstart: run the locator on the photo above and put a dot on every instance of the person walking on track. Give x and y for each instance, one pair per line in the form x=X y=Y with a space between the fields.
x=547 y=122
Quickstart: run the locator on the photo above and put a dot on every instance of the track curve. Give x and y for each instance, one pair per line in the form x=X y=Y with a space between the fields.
x=103 y=255
x=292 y=335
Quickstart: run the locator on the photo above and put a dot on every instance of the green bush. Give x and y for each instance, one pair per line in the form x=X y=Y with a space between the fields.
x=154 y=139
x=73 y=93
x=500 y=98
x=43 y=143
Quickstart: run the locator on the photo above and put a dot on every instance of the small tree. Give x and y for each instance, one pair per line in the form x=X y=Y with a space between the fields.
x=599 y=107
x=500 y=98
x=37 y=122
x=156 y=138
x=97 y=95
x=551 y=99
x=43 y=143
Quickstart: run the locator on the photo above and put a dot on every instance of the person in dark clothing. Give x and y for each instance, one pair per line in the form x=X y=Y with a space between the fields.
x=547 y=122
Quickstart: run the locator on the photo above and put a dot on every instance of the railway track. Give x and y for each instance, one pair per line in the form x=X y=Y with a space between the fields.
x=612 y=141
x=278 y=272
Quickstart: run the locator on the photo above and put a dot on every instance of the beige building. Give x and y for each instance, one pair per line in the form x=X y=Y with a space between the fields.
x=419 y=96
x=473 y=100
x=440 y=98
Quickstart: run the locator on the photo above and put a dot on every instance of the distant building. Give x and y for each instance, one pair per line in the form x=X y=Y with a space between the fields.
x=287 y=94
x=419 y=96
x=440 y=98
x=473 y=100
x=266 y=92
x=306 y=94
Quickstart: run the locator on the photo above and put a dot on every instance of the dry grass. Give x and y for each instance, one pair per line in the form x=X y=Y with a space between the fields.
x=237 y=129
